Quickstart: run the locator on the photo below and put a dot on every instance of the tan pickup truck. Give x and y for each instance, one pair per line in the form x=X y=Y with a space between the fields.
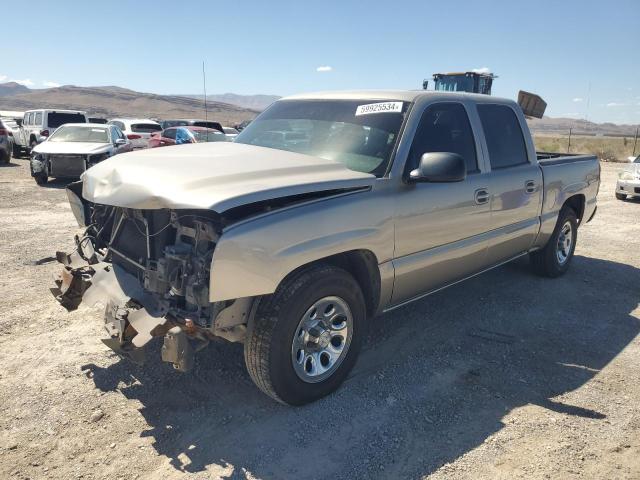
x=328 y=209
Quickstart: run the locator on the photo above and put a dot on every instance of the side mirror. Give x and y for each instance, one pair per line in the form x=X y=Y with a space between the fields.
x=439 y=167
x=19 y=122
x=120 y=141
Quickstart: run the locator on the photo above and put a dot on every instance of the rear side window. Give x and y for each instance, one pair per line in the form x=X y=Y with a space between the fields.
x=56 y=119
x=145 y=127
x=38 y=118
x=169 y=133
x=444 y=127
x=504 y=136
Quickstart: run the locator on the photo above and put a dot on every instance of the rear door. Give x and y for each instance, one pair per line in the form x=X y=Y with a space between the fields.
x=516 y=183
x=440 y=228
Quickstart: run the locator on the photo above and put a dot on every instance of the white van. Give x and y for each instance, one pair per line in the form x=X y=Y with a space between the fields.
x=39 y=124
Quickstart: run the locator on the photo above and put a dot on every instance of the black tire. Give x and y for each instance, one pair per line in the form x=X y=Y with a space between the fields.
x=270 y=335
x=621 y=196
x=17 y=151
x=41 y=178
x=545 y=262
x=5 y=157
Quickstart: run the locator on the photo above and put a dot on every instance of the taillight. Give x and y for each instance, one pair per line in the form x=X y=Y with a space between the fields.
x=3 y=131
x=44 y=133
x=133 y=136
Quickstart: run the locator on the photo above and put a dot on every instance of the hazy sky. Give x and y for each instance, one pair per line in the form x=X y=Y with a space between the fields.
x=582 y=57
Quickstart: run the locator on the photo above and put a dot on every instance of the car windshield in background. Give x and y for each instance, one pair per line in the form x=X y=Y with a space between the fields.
x=208 y=135
x=637 y=160
x=56 y=119
x=359 y=134
x=145 y=127
x=80 y=134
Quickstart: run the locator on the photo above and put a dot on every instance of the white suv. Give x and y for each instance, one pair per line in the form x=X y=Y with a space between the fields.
x=39 y=124
x=138 y=130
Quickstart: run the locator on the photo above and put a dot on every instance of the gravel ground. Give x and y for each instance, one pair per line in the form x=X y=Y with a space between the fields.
x=507 y=375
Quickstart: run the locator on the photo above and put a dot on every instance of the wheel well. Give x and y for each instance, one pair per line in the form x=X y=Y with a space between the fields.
x=363 y=265
x=576 y=202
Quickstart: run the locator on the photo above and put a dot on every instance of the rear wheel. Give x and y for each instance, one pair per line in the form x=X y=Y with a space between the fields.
x=17 y=151
x=5 y=157
x=621 y=196
x=305 y=338
x=554 y=259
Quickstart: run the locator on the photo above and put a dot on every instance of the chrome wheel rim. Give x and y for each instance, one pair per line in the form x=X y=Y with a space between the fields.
x=565 y=242
x=322 y=339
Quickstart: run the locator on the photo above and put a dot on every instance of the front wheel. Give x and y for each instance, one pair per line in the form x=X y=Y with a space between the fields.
x=41 y=178
x=305 y=338
x=621 y=196
x=554 y=259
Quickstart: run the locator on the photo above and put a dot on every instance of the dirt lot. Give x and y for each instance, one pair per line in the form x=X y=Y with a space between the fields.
x=505 y=376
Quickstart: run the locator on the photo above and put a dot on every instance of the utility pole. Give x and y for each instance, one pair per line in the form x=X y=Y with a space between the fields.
x=635 y=141
x=569 y=146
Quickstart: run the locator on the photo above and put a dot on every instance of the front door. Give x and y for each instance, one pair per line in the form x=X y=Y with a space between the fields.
x=441 y=228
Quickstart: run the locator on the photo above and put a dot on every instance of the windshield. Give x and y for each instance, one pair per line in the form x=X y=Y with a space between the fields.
x=80 y=134
x=454 y=83
x=55 y=119
x=359 y=134
x=208 y=135
x=637 y=160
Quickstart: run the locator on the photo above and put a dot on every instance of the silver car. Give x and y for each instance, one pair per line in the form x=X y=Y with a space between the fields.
x=628 y=184
x=327 y=210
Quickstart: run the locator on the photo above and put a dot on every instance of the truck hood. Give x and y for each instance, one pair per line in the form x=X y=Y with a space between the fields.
x=72 y=148
x=216 y=176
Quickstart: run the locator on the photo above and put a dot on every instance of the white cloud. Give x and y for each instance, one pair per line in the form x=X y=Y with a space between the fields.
x=324 y=68
x=51 y=84
x=481 y=70
x=27 y=82
x=616 y=104
x=577 y=100
x=3 y=78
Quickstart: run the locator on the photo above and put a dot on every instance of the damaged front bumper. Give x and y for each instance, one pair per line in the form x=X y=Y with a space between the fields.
x=151 y=286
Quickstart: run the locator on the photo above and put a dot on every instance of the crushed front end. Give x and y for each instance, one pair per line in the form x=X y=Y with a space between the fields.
x=150 y=269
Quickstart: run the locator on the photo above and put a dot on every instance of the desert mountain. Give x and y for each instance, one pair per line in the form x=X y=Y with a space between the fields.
x=253 y=102
x=111 y=101
x=12 y=88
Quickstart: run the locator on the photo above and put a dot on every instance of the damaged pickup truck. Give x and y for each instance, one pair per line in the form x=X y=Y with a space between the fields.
x=327 y=210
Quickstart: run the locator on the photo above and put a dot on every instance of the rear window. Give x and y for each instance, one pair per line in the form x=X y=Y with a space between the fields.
x=55 y=119
x=145 y=127
x=214 y=125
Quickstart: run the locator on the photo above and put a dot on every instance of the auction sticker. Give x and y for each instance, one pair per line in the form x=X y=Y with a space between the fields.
x=382 y=107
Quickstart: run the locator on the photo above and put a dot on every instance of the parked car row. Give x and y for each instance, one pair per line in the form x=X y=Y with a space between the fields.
x=65 y=143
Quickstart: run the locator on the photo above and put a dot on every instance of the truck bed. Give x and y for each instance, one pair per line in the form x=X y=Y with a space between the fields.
x=553 y=158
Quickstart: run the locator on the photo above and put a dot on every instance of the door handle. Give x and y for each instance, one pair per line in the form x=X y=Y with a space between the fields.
x=530 y=186
x=481 y=196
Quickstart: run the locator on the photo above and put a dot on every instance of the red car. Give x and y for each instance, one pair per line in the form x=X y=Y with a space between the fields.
x=189 y=134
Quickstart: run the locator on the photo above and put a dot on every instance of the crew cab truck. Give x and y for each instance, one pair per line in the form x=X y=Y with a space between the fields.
x=328 y=209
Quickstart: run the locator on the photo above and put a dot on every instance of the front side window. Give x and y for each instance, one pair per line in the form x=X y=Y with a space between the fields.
x=503 y=134
x=38 y=118
x=444 y=127
x=360 y=134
